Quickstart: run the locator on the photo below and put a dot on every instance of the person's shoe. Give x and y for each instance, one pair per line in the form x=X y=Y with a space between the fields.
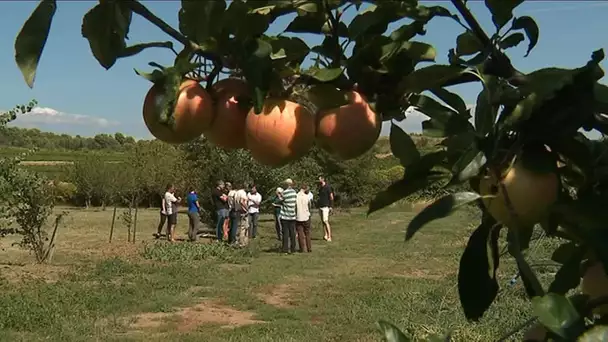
x=325 y=237
x=328 y=239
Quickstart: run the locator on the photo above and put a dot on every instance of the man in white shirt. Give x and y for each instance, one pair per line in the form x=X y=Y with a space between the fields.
x=232 y=223
x=171 y=209
x=303 y=204
x=254 y=200
x=241 y=216
x=163 y=217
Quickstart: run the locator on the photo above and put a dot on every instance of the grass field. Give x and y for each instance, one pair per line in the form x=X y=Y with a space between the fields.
x=148 y=291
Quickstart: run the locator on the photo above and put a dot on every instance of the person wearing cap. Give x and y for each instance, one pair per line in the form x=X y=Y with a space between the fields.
x=276 y=204
x=288 y=217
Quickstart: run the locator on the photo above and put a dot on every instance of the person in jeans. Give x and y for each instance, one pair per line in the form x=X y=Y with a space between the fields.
x=231 y=222
x=303 y=204
x=326 y=198
x=163 y=218
x=254 y=199
x=288 y=217
x=193 y=214
x=276 y=204
x=220 y=201
x=171 y=207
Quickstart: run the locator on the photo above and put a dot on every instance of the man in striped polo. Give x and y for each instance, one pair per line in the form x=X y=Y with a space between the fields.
x=288 y=217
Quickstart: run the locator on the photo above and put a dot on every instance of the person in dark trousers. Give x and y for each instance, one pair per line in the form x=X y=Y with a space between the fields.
x=303 y=203
x=220 y=201
x=193 y=214
x=163 y=218
x=288 y=217
x=276 y=205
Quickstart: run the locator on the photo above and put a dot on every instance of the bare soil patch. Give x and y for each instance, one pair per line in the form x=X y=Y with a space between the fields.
x=29 y=272
x=45 y=162
x=282 y=295
x=190 y=318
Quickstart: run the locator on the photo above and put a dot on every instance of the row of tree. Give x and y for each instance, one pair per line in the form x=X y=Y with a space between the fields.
x=35 y=138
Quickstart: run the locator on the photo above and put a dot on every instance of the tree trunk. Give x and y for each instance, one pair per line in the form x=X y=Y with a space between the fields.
x=112 y=226
x=103 y=205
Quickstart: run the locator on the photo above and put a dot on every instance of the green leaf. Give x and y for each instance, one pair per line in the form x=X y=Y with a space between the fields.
x=408 y=31
x=326 y=75
x=564 y=252
x=258 y=71
x=201 y=21
x=391 y=332
x=106 y=27
x=468 y=165
x=568 y=276
x=532 y=285
x=155 y=76
x=556 y=313
x=374 y=20
x=290 y=49
x=416 y=51
x=485 y=112
x=325 y=96
x=240 y=21
x=477 y=284
x=467 y=44
x=137 y=48
x=441 y=208
x=502 y=11
x=511 y=40
x=31 y=40
x=444 y=121
x=595 y=334
x=452 y=100
x=403 y=147
x=429 y=77
x=530 y=27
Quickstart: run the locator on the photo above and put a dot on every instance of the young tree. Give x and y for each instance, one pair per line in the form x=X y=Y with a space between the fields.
x=520 y=149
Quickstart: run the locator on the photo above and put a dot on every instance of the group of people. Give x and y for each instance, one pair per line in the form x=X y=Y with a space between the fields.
x=238 y=211
x=292 y=212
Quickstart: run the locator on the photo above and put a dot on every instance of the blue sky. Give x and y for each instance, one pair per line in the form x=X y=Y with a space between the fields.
x=78 y=96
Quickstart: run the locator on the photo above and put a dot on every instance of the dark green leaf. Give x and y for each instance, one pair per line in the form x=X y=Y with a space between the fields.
x=429 y=77
x=469 y=165
x=416 y=51
x=106 y=27
x=467 y=44
x=155 y=76
x=530 y=27
x=326 y=75
x=201 y=21
x=30 y=41
x=391 y=332
x=408 y=31
x=325 y=96
x=511 y=40
x=477 y=285
x=291 y=49
x=502 y=11
x=441 y=208
x=451 y=99
x=137 y=48
x=403 y=147
x=317 y=24
x=258 y=72
x=564 y=252
x=444 y=121
x=532 y=285
x=556 y=313
x=374 y=20
x=485 y=112
x=239 y=21
x=400 y=190
x=595 y=334
x=568 y=276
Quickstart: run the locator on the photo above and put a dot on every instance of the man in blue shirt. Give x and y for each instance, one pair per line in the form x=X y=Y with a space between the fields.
x=193 y=214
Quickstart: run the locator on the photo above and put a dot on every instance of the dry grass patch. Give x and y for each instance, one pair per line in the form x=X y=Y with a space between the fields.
x=190 y=318
x=283 y=295
x=16 y=274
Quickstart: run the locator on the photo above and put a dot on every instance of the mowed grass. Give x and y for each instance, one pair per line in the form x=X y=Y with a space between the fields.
x=99 y=291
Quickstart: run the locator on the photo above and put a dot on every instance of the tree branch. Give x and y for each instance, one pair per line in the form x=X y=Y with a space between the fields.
x=138 y=8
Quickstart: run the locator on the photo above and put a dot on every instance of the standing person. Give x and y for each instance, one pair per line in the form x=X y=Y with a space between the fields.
x=254 y=200
x=163 y=218
x=193 y=214
x=220 y=201
x=288 y=217
x=232 y=221
x=171 y=207
x=241 y=216
x=326 y=198
x=303 y=204
x=276 y=205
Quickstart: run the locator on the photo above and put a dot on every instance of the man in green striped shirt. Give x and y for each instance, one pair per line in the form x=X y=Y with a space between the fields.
x=288 y=217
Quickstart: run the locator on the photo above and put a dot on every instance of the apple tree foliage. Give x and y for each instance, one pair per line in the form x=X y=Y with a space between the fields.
x=395 y=70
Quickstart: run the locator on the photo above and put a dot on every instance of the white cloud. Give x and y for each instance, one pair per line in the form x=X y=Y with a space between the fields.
x=45 y=115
